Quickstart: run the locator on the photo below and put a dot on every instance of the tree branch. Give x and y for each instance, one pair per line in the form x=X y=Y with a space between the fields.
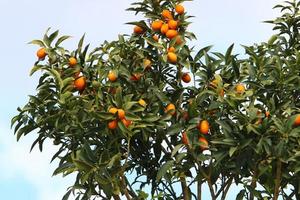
x=277 y=179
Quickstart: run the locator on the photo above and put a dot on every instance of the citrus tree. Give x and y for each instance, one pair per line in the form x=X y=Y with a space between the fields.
x=147 y=116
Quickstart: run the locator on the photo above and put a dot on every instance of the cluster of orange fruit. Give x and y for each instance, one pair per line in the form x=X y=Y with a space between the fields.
x=120 y=116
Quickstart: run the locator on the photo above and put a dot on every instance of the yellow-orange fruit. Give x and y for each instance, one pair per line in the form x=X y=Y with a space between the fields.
x=147 y=63
x=297 y=120
x=171 y=34
x=156 y=25
x=164 y=28
x=72 y=61
x=184 y=138
x=112 y=76
x=214 y=83
x=267 y=113
x=171 y=107
x=204 y=127
x=179 y=40
x=179 y=9
x=142 y=102
x=186 y=78
x=171 y=49
x=155 y=37
x=121 y=114
x=126 y=122
x=112 y=124
x=113 y=110
x=172 y=57
x=240 y=88
x=138 y=30
x=41 y=53
x=203 y=143
x=80 y=83
x=167 y=15
x=172 y=24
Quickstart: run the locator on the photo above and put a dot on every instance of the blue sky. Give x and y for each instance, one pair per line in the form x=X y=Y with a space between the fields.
x=27 y=176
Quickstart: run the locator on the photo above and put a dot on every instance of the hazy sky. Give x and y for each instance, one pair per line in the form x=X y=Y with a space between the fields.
x=25 y=176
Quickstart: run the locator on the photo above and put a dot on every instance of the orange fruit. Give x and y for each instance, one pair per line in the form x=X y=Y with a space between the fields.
x=142 y=102
x=136 y=77
x=171 y=49
x=172 y=24
x=267 y=113
x=112 y=76
x=80 y=83
x=155 y=37
x=184 y=138
x=121 y=113
x=156 y=25
x=41 y=53
x=164 y=28
x=171 y=34
x=72 y=61
x=186 y=78
x=126 y=122
x=138 y=30
x=203 y=143
x=112 y=124
x=172 y=57
x=171 y=107
x=297 y=120
x=179 y=40
x=179 y=9
x=167 y=15
x=240 y=88
x=214 y=83
x=204 y=127
x=147 y=63
x=113 y=110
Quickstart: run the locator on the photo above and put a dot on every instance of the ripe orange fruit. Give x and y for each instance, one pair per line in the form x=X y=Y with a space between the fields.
x=112 y=124
x=171 y=34
x=112 y=76
x=138 y=30
x=142 y=102
x=179 y=40
x=267 y=113
x=179 y=9
x=121 y=113
x=126 y=122
x=72 y=61
x=147 y=63
x=156 y=25
x=171 y=49
x=80 y=83
x=113 y=110
x=297 y=120
x=204 y=127
x=167 y=15
x=170 y=107
x=164 y=28
x=240 y=88
x=155 y=37
x=203 y=143
x=172 y=24
x=41 y=53
x=184 y=138
x=172 y=57
x=186 y=78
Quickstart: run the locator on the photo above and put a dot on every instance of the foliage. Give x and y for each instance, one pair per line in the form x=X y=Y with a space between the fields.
x=251 y=105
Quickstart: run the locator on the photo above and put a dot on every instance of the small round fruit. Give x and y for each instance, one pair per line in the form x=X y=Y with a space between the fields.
x=171 y=34
x=179 y=40
x=72 y=61
x=172 y=57
x=41 y=53
x=156 y=25
x=186 y=78
x=204 y=127
x=121 y=114
x=267 y=113
x=147 y=63
x=112 y=124
x=179 y=9
x=155 y=37
x=113 y=110
x=112 y=76
x=171 y=107
x=184 y=138
x=167 y=15
x=126 y=122
x=80 y=83
x=171 y=49
x=142 y=102
x=240 y=88
x=173 y=24
x=138 y=30
x=203 y=143
x=297 y=120
x=164 y=29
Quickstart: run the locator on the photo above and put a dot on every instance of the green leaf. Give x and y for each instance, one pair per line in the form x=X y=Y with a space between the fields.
x=164 y=168
x=61 y=39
